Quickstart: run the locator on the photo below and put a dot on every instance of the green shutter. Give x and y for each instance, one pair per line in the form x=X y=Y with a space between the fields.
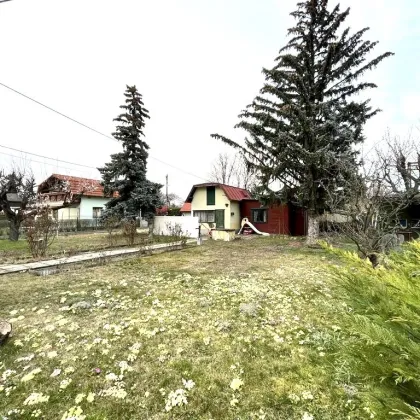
x=220 y=219
x=211 y=196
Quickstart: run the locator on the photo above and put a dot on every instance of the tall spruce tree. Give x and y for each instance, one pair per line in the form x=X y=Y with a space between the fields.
x=306 y=121
x=125 y=175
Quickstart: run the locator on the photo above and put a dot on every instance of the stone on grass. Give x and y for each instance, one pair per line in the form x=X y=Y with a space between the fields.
x=223 y=326
x=5 y=330
x=81 y=305
x=204 y=302
x=248 y=309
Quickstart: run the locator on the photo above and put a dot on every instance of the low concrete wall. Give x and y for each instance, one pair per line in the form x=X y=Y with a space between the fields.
x=166 y=225
x=223 y=234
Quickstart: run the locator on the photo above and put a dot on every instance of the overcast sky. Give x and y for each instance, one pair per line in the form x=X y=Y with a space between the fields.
x=197 y=63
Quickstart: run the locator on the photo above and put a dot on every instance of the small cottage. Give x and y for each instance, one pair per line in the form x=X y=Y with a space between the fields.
x=216 y=205
x=220 y=206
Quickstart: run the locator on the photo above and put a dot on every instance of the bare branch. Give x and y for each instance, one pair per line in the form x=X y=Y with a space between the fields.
x=233 y=170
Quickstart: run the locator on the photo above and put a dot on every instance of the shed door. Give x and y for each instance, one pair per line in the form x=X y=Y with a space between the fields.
x=220 y=219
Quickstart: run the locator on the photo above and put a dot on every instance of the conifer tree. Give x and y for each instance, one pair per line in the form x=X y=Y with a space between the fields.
x=304 y=124
x=126 y=174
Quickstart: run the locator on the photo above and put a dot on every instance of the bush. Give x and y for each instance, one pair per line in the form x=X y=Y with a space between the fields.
x=177 y=233
x=174 y=211
x=129 y=229
x=40 y=232
x=384 y=322
x=111 y=223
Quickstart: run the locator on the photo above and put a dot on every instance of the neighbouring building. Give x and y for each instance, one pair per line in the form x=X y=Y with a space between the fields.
x=409 y=219
x=72 y=197
x=220 y=206
x=217 y=206
x=185 y=209
x=162 y=211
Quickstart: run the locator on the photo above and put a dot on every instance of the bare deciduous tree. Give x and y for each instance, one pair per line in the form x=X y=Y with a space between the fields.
x=377 y=196
x=233 y=170
x=400 y=164
x=175 y=200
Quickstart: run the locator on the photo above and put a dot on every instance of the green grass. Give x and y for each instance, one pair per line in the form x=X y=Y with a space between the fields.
x=243 y=330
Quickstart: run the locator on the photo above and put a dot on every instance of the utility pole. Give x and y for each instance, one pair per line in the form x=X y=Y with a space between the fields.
x=167 y=194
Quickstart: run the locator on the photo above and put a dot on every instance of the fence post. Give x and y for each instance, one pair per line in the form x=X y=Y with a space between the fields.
x=199 y=238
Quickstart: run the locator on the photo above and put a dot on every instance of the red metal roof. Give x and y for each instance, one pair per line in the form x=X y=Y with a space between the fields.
x=232 y=193
x=235 y=193
x=186 y=207
x=76 y=185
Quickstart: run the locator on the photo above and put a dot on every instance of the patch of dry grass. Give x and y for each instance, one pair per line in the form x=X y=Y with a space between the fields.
x=70 y=244
x=247 y=330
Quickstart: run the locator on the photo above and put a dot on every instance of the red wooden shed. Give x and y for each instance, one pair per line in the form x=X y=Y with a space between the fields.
x=285 y=219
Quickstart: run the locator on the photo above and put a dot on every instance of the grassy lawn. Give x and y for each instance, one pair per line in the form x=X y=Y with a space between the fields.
x=242 y=330
x=65 y=245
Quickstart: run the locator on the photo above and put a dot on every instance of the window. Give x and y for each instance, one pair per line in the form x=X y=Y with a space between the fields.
x=96 y=212
x=211 y=196
x=259 y=215
x=205 y=216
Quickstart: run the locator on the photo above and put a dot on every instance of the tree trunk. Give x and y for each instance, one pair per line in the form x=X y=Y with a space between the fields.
x=14 y=230
x=150 y=225
x=313 y=228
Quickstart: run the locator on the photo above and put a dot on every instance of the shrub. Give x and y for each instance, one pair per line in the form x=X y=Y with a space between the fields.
x=384 y=322
x=129 y=229
x=40 y=232
x=175 y=230
x=111 y=223
x=174 y=211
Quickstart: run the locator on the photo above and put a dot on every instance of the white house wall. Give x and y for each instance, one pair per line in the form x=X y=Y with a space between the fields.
x=235 y=215
x=88 y=203
x=68 y=213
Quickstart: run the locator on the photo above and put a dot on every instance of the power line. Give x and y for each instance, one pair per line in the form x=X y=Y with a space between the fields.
x=57 y=112
x=37 y=161
x=92 y=129
x=46 y=157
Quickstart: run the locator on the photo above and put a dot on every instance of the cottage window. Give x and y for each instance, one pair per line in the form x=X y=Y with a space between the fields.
x=205 y=216
x=96 y=212
x=259 y=215
x=211 y=196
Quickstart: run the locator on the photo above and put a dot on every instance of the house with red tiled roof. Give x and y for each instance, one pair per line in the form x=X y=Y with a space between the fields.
x=185 y=210
x=216 y=205
x=71 y=197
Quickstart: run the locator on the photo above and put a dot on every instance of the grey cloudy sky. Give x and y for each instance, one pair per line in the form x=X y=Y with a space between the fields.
x=196 y=62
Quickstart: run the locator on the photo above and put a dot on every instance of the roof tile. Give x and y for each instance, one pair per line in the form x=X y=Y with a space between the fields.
x=186 y=207
x=83 y=186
